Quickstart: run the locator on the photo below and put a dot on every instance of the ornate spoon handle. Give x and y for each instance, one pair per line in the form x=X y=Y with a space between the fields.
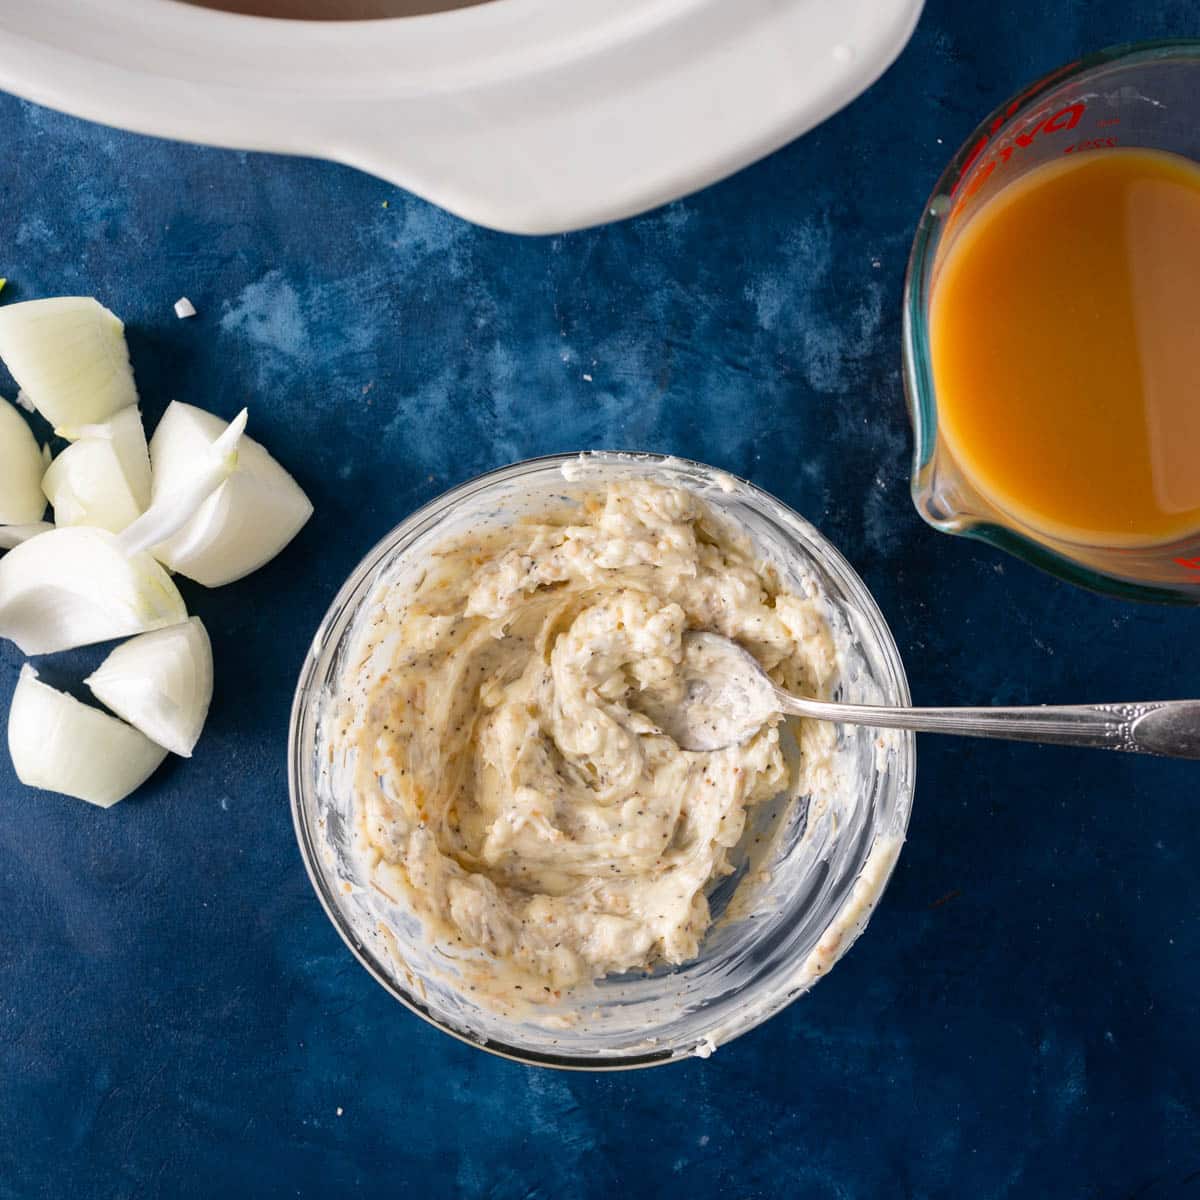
x=1165 y=727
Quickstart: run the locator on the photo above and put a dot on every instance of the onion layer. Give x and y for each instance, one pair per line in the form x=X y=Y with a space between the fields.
x=13 y=535
x=71 y=587
x=86 y=486
x=69 y=357
x=64 y=746
x=245 y=523
x=21 y=499
x=161 y=683
x=173 y=507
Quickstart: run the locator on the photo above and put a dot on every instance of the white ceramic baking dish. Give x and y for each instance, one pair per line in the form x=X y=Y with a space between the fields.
x=533 y=116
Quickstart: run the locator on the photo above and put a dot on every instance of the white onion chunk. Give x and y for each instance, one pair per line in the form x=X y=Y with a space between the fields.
x=61 y=745
x=161 y=683
x=69 y=357
x=73 y=586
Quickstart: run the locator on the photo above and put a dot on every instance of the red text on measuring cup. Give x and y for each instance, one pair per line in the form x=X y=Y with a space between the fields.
x=1059 y=122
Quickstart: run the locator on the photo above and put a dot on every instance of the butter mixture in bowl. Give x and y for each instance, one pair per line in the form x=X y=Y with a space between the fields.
x=515 y=845
x=508 y=778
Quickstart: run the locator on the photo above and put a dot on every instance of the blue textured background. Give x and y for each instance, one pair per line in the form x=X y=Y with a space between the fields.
x=177 y=1016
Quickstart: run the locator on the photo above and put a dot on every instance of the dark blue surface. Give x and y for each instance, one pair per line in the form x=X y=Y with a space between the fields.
x=178 y=1017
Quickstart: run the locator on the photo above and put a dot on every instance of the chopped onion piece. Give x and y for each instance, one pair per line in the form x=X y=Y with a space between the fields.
x=13 y=535
x=128 y=439
x=184 y=308
x=173 y=508
x=161 y=683
x=23 y=401
x=254 y=514
x=74 y=586
x=103 y=478
x=21 y=499
x=64 y=746
x=86 y=486
x=69 y=356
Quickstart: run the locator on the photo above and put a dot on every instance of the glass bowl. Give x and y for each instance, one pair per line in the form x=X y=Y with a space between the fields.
x=780 y=921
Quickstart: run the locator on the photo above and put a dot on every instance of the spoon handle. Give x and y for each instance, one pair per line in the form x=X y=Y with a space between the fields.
x=1165 y=727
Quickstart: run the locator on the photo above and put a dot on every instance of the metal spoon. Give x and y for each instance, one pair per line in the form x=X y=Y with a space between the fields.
x=728 y=697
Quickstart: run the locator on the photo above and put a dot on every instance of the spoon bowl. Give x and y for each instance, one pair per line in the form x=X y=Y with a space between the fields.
x=727 y=697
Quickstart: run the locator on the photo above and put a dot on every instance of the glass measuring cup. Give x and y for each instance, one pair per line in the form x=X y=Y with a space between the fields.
x=1145 y=96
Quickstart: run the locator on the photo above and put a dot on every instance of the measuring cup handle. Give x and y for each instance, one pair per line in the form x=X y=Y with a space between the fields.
x=1165 y=727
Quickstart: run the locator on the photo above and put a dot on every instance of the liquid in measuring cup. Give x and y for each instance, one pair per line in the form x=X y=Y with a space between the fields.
x=1064 y=323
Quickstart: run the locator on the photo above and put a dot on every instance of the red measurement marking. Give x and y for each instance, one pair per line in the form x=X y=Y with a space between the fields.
x=1060 y=122
x=1092 y=144
x=1189 y=564
x=1106 y=124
